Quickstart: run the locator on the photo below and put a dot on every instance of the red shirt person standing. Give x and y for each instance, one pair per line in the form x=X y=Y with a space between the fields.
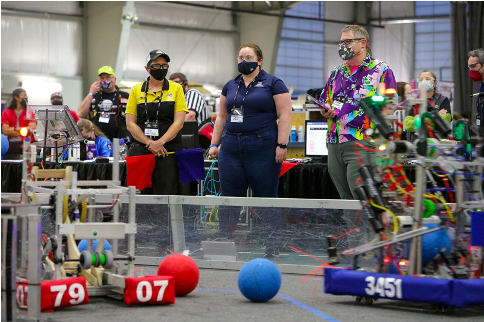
x=14 y=118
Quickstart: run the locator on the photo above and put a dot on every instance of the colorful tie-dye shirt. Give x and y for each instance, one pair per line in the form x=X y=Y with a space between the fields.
x=350 y=122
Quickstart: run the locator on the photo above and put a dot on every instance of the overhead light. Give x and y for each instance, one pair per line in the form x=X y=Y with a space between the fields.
x=268 y=3
x=39 y=89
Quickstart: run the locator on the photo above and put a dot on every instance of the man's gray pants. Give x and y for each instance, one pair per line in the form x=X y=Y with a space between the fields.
x=343 y=165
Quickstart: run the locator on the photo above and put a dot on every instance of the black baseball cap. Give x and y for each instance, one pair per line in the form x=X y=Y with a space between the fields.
x=155 y=54
x=56 y=94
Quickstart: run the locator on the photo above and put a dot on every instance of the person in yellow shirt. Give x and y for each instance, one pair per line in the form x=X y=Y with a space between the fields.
x=154 y=116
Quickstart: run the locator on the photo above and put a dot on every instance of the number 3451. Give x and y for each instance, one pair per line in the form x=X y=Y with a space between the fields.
x=385 y=286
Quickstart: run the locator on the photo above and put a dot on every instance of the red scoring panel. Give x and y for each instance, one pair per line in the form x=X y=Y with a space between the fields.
x=55 y=294
x=152 y=289
x=62 y=293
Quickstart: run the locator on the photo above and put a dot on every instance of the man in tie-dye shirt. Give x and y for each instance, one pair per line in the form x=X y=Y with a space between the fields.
x=358 y=77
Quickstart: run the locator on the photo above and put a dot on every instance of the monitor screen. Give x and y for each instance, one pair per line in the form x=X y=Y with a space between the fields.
x=316 y=132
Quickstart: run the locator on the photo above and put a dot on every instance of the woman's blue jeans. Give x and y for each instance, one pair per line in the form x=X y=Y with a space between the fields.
x=248 y=160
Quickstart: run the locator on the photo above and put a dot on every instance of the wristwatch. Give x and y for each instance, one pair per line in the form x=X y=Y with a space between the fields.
x=282 y=145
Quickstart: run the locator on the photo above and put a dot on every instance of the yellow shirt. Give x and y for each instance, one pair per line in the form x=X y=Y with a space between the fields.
x=173 y=93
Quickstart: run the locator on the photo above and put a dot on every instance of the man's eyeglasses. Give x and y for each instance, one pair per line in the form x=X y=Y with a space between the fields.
x=246 y=58
x=159 y=66
x=348 y=42
x=473 y=65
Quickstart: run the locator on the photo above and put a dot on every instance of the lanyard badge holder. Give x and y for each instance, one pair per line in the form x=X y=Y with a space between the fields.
x=151 y=128
x=104 y=118
x=237 y=114
x=341 y=98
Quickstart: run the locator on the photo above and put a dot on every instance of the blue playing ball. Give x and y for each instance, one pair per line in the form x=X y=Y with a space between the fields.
x=259 y=280
x=434 y=242
x=83 y=245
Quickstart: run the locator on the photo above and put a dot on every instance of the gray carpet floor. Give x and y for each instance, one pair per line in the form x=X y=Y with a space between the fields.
x=217 y=299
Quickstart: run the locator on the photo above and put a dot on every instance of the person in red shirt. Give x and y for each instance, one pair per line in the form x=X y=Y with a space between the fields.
x=14 y=118
x=57 y=99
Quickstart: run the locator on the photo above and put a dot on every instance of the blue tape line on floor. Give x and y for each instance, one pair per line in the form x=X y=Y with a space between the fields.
x=287 y=298
x=308 y=308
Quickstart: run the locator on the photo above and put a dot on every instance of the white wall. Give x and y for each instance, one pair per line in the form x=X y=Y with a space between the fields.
x=44 y=50
x=262 y=31
x=335 y=10
x=203 y=56
x=71 y=88
x=395 y=43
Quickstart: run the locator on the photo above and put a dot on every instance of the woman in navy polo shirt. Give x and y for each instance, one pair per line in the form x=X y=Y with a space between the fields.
x=252 y=143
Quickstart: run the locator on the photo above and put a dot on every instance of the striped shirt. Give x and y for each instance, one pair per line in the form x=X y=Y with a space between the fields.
x=196 y=102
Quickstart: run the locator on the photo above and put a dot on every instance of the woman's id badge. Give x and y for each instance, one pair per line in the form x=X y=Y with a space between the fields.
x=151 y=129
x=237 y=115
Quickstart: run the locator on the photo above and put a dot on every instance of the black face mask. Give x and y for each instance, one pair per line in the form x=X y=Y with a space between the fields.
x=246 y=67
x=24 y=102
x=57 y=103
x=158 y=74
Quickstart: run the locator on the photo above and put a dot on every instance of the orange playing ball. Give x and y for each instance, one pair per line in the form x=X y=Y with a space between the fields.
x=183 y=269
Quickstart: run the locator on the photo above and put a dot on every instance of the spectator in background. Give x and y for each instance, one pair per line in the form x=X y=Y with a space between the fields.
x=14 y=118
x=57 y=99
x=441 y=102
x=476 y=73
x=403 y=89
x=197 y=109
x=89 y=131
x=105 y=105
x=360 y=75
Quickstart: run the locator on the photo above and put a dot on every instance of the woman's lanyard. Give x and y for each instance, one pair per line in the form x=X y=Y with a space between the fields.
x=152 y=128
x=237 y=114
x=246 y=92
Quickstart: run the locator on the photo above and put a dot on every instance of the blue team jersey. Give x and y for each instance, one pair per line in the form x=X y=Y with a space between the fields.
x=259 y=108
x=104 y=147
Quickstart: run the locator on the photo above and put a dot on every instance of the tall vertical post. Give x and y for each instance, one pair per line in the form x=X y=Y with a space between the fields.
x=131 y=220
x=33 y=271
x=114 y=242
x=421 y=184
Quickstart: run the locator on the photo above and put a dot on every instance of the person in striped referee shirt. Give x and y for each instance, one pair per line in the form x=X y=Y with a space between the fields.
x=197 y=107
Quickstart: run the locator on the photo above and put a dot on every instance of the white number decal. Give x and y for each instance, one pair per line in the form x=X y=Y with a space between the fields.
x=163 y=285
x=61 y=289
x=379 y=286
x=398 y=284
x=149 y=290
x=387 y=287
x=370 y=290
x=76 y=292
x=139 y=291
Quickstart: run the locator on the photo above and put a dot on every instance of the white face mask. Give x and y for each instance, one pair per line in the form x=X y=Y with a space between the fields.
x=429 y=86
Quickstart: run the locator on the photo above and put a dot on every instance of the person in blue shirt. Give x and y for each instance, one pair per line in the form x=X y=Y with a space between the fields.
x=89 y=131
x=252 y=143
x=5 y=145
